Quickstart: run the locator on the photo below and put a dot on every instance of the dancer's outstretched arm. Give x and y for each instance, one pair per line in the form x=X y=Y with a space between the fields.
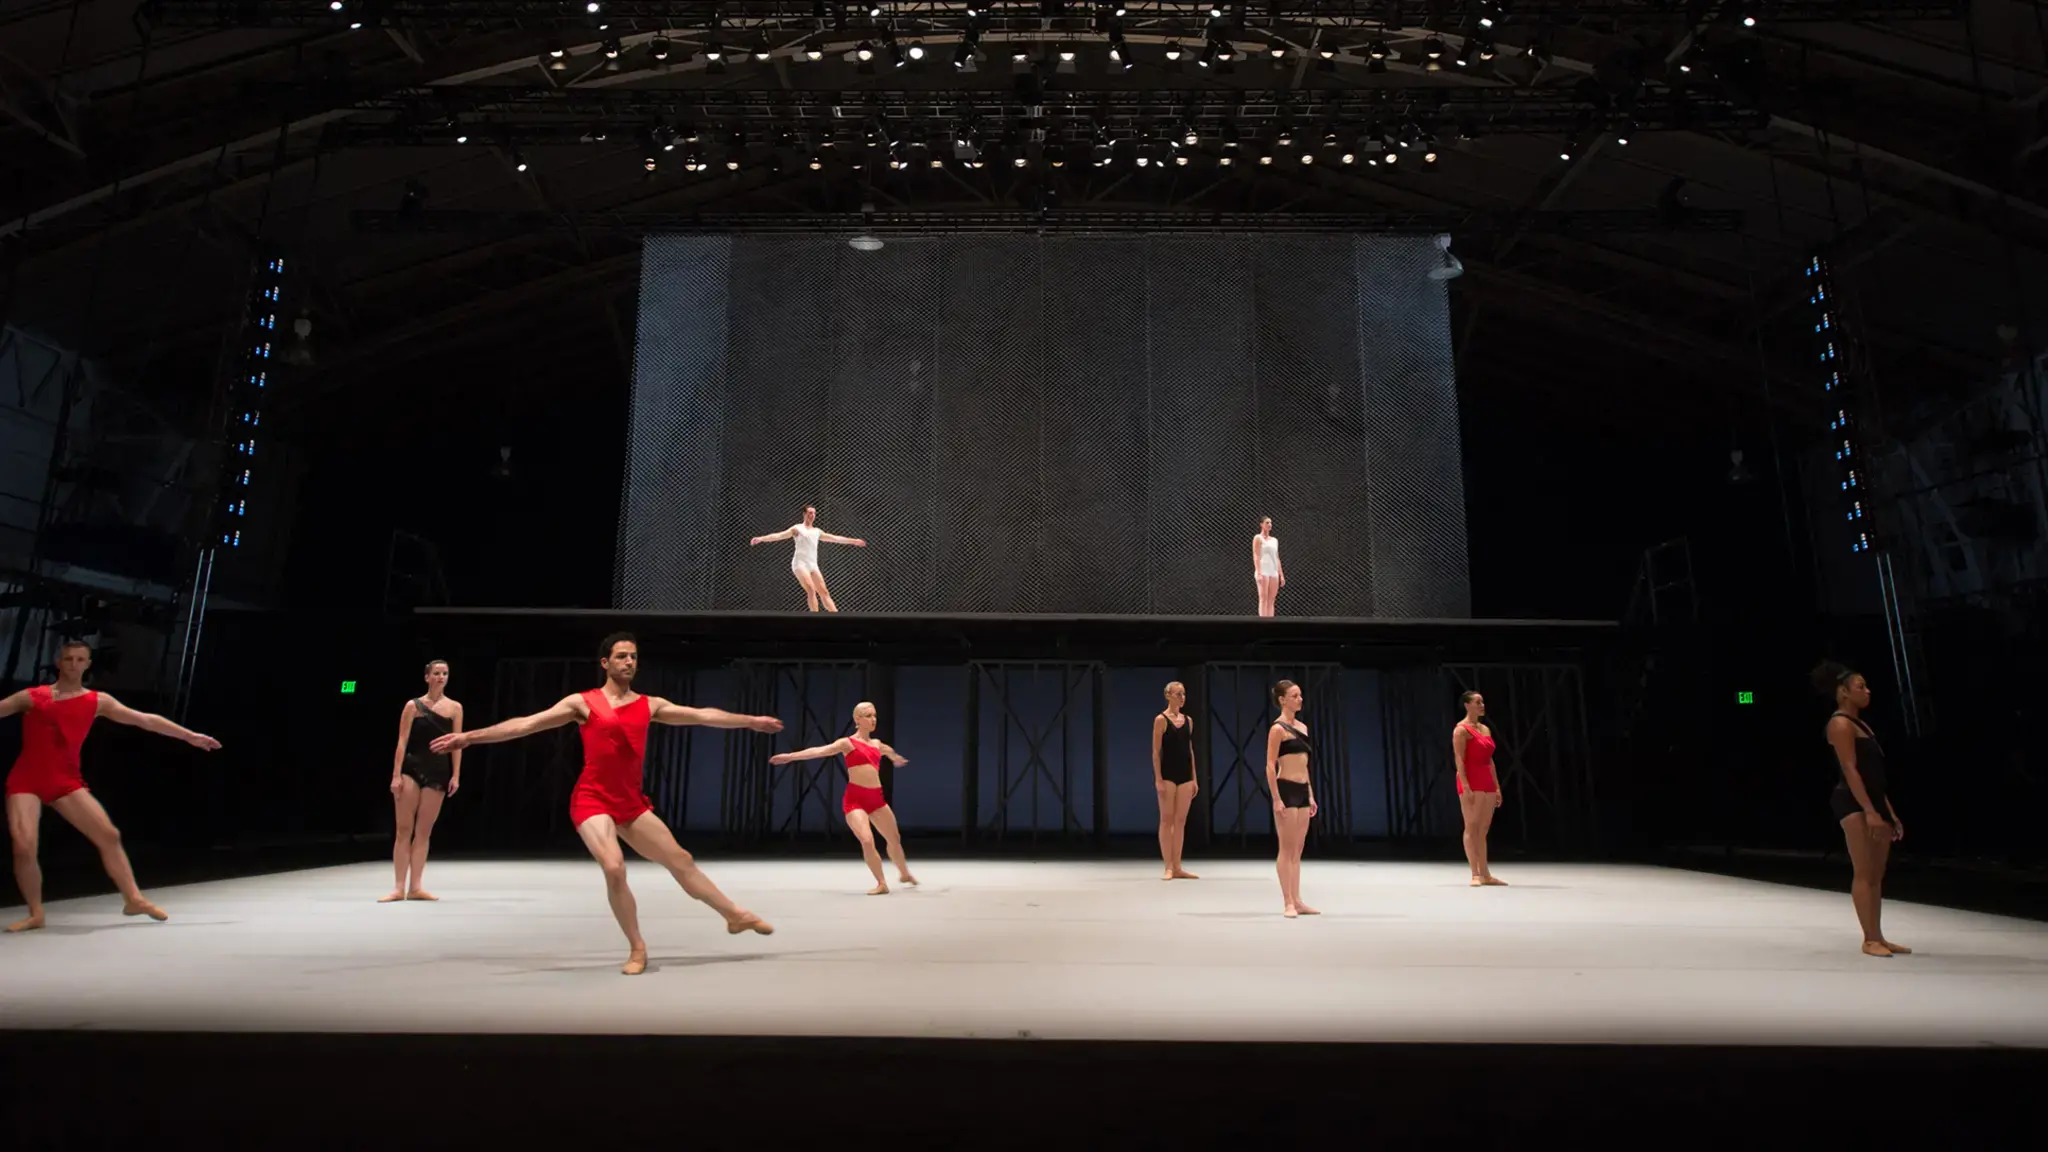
x=567 y=710
x=664 y=712
x=839 y=747
x=785 y=534
x=15 y=705
x=120 y=713
x=899 y=761
x=829 y=538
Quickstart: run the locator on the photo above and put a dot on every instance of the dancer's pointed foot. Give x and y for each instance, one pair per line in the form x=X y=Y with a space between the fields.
x=1875 y=948
x=1183 y=874
x=879 y=890
x=636 y=963
x=28 y=925
x=144 y=908
x=908 y=879
x=1305 y=910
x=391 y=897
x=748 y=922
x=420 y=894
x=1493 y=881
x=1898 y=949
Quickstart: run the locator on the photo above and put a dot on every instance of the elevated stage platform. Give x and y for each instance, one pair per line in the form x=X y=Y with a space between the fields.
x=910 y=637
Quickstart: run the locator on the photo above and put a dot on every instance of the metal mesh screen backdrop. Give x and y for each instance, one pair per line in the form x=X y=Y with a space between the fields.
x=1029 y=424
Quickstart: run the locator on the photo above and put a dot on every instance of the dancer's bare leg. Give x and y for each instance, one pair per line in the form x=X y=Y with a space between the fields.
x=1865 y=890
x=1183 y=799
x=863 y=831
x=1475 y=845
x=601 y=836
x=885 y=823
x=431 y=800
x=1488 y=809
x=1301 y=846
x=1266 y=595
x=1283 y=822
x=406 y=802
x=24 y=822
x=817 y=581
x=810 y=593
x=1163 y=792
x=86 y=815
x=652 y=839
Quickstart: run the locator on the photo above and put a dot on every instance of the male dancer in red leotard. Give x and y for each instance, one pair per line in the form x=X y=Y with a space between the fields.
x=607 y=805
x=54 y=721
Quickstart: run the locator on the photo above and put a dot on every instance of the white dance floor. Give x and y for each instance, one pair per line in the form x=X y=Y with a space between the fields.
x=1057 y=950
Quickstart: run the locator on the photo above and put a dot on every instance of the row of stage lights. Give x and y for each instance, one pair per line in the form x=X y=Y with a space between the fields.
x=1831 y=349
x=247 y=385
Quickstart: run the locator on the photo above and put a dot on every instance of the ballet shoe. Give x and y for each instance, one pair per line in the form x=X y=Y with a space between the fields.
x=421 y=894
x=1494 y=882
x=750 y=923
x=1290 y=912
x=879 y=890
x=145 y=908
x=1305 y=910
x=635 y=963
x=391 y=897
x=1875 y=948
x=28 y=925
x=1183 y=874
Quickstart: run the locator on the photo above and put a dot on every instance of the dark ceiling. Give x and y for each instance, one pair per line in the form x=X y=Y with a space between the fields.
x=143 y=149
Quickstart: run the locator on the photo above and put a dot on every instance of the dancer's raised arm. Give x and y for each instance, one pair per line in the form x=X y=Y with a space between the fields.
x=829 y=538
x=679 y=716
x=567 y=710
x=120 y=713
x=839 y=747
x=785 y=534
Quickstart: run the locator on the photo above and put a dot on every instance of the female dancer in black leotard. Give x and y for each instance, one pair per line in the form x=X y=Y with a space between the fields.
x=1294 y=793
x=1861 y=802
x=1173 y=778
x=421 y=779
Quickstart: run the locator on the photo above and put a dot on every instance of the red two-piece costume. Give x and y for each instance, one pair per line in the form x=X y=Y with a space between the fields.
x=614 y=758
x=859 y=799
x=1478 y=761
x=52 y=731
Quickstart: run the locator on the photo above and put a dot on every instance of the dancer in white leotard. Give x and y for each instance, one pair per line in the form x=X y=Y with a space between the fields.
x=1266 y=570
x=804 y=564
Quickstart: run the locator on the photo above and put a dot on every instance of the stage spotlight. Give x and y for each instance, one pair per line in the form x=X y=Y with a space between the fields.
x=864 y=51
x=518 y=161
x=1021 y=162
x=715 y=52
x=334 y=5
x=1181 y=160
x=1173 y=49
x=1433 y=48
x=1350 y=157
x=612 y=48
x=814 y=54
x=1286 y=137
x=1391 y=157
x=1308 y=157
x=917 y=51
x=1020 y=55
x=1223 y=161
x=1429 y=157
x=651 y=163
x=733 y=164
x=593 y=7
x=1279 y=51
x=659 y=48
x=1327 y=52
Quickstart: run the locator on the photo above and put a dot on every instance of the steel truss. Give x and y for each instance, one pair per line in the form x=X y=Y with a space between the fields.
x=1074 y=221
x=942 y=116
x=1240 y=708
x=1079 y=682
x=995 y=15
x=814 y=699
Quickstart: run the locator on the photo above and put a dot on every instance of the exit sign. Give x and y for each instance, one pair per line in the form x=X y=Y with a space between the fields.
x=1740 y=697
x=348 y=688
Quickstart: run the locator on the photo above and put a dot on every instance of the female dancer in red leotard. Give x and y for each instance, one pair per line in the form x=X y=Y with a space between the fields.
x=1479 y=792
x=607 y=805
x=867 y=810
x=54 y=721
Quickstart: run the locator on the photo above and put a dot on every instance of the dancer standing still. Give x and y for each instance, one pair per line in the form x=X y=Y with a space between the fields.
x=422 y=780
x=55 y=719
x=1862 y=800
x=1173 y=778
x=1479 y=792
x=607 y=805
x=1266 y=570
x=804 y=564
x=1294 y=793
x=867 y=809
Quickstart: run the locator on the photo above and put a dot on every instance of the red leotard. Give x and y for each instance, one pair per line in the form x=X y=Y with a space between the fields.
x=1478 y=761
x=614 y=755
x=858 y=798
x=52 y=731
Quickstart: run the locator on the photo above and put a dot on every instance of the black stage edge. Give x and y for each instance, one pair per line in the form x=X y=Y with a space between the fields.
x=76 y=1090
x=943 y=639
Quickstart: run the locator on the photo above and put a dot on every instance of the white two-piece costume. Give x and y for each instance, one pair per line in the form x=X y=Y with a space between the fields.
x=806 y=558
x=1269 y=556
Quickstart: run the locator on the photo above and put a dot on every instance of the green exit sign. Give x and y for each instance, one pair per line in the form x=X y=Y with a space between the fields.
x=1740 y=697
x=348 y=688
